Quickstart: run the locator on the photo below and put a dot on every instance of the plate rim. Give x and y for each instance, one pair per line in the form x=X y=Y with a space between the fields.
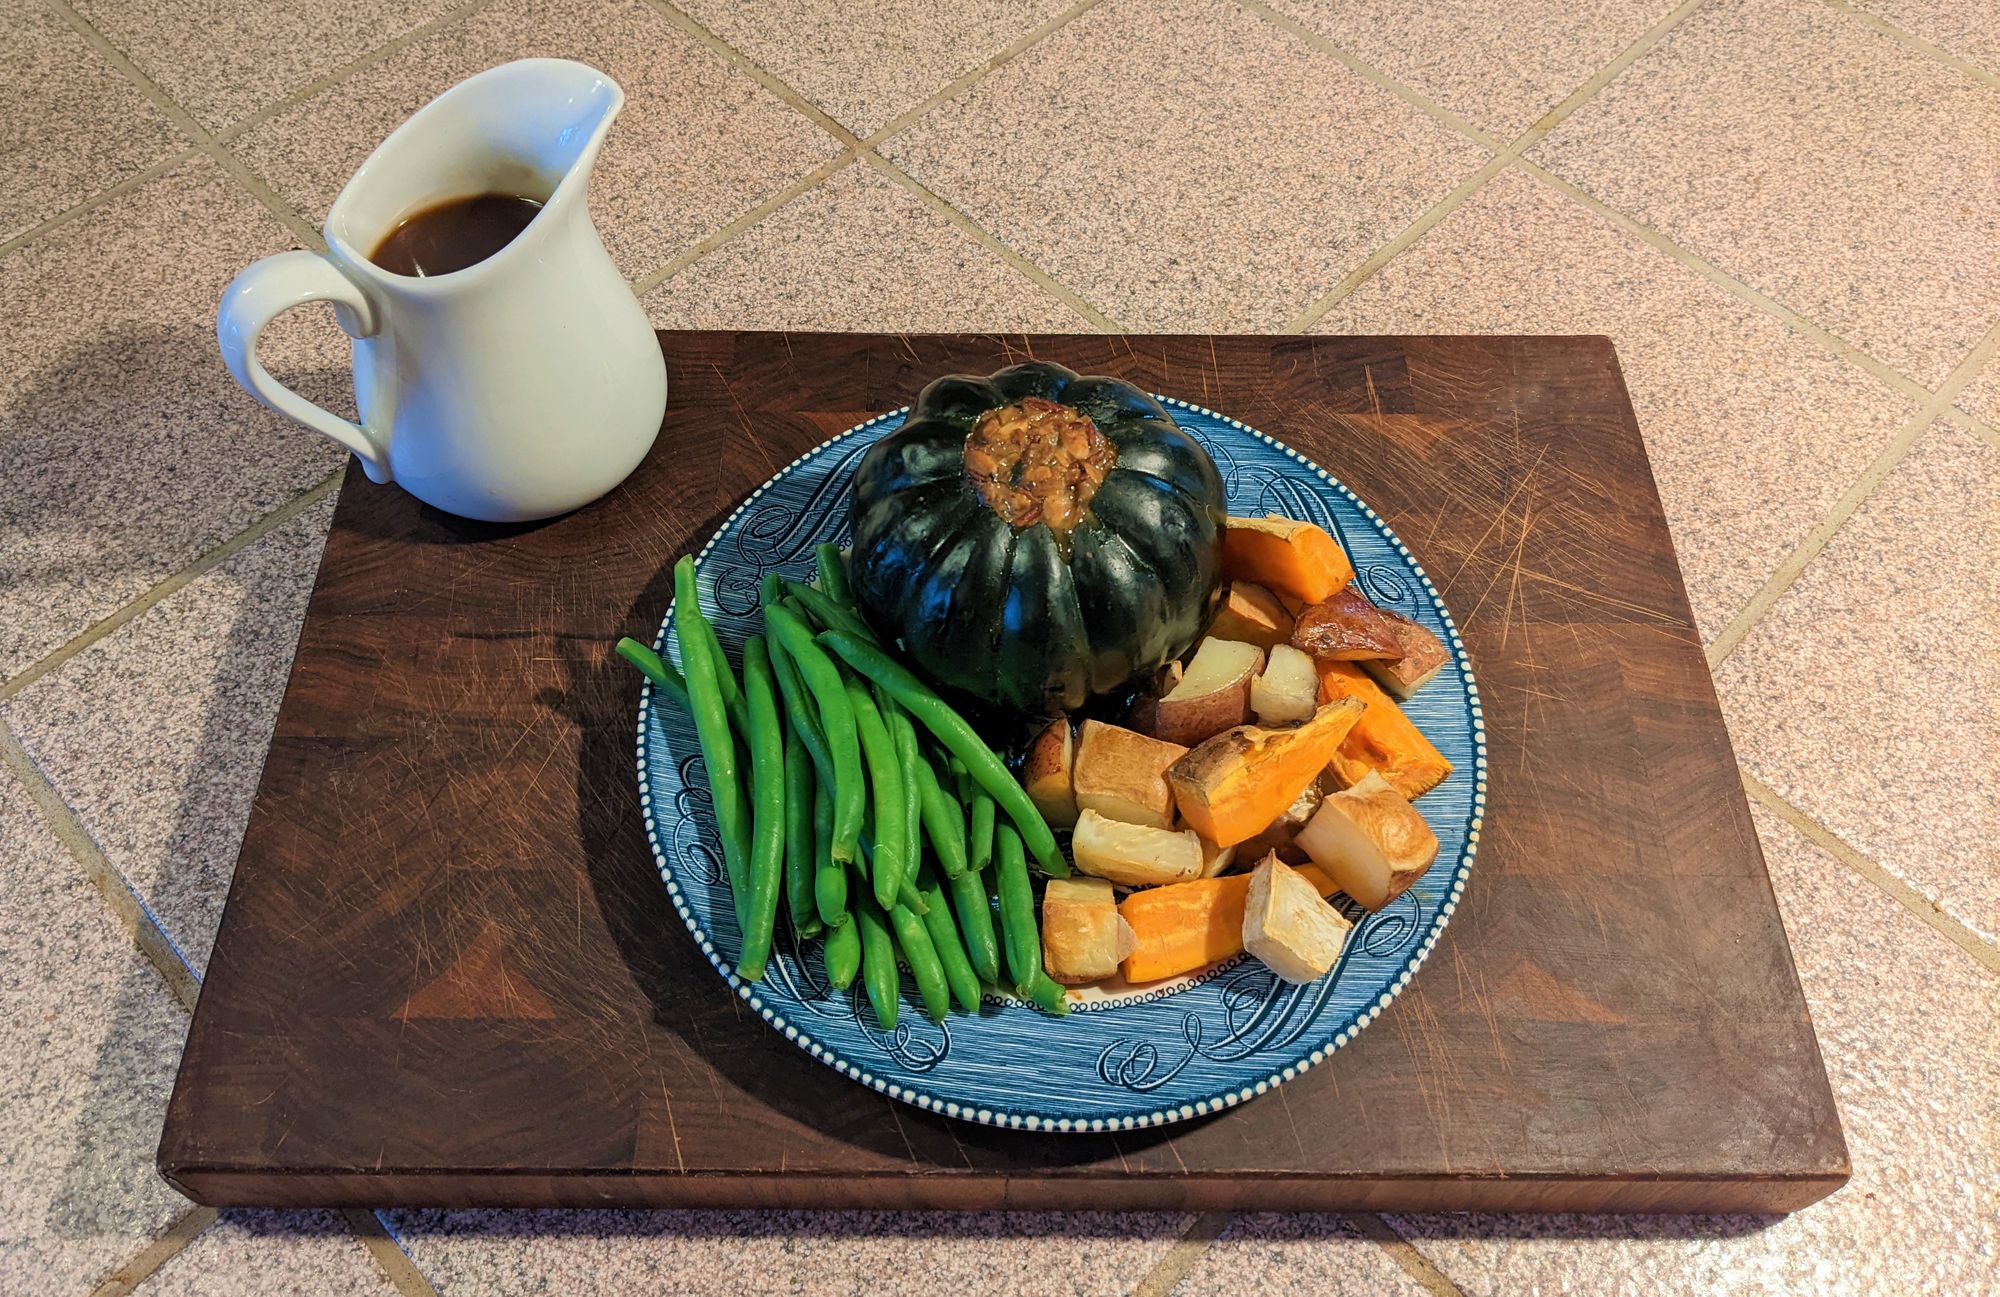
x=1136 y=1120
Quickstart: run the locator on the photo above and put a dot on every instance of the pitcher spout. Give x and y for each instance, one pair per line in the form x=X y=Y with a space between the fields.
x=532 y=127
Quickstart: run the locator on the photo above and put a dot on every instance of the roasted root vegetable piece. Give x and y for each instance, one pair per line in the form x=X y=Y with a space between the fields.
x=1346 y=628
x=1285 y=556
x=1186 y=926
x=1278 y=837
x=1122 y=775
x=1212 y=695
x=1134 y=855
x=1384 y=740
x=1252 y=614
x=1216 y=860
x=1048 y=773
x=1370 y=841
x=1287 y=690
x=1083 y=935
x=1236 y=783
x=1289 y=926
x=1420 y=656
x=1145 y=709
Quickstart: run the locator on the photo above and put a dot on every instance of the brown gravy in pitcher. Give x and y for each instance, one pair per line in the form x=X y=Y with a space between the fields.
x=454 y=234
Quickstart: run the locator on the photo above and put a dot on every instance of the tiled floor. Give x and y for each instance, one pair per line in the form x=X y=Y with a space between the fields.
x=1785 y=212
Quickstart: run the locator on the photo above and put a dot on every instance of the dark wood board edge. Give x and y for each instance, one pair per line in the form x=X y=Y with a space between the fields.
x=1665 y=1195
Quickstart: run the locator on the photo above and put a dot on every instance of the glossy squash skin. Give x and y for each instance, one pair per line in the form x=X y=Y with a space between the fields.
x=1014 y=618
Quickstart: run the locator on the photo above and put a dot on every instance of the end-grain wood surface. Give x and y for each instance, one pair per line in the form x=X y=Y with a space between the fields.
x=449 y=974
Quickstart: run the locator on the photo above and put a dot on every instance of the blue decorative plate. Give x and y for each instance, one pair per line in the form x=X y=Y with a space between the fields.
x=1121 y=1058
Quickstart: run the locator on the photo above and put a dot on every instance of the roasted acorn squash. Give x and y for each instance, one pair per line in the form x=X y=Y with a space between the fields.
x=1037 y=537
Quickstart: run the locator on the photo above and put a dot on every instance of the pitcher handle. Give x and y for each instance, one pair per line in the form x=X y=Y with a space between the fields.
x=268 y=289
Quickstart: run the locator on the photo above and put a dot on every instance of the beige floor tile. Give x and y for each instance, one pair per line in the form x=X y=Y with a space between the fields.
x=128 y=449
x=70 y=125
x=222 y=59
x=253 y=1253
x=1754 y=431
x=1905 y=1021
x=1968 y=28
x=90 y=1035
x=1295 y=1256
x=155 y=735
x=1222 y=176
x=1867 y=694
x=1816 y=159
x=1499 y=63
x=1981 y=397
x=826 y=1254
x=698 y=142
x=858 y=252
x=865 y=61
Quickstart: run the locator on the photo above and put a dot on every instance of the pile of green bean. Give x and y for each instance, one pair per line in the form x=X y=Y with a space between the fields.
x=888 y=828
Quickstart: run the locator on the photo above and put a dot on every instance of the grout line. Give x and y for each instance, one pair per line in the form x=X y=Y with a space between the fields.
x=361 y=63
x=103 y=196
x=117 y=58
x=1975 y=425
x=854 y=148
x=782 y=90
x=131 y=912
x=1042 y=278
x=1909 y=897
x=1715 y=274
x=1167 y=1273
x=958 y=85
x=653 y=279
x=185 y=122
x=156 y=1254
x=396 y=1264
x=1376 y=77
x=140 y=605
x=1382 y=256
x=1935 y=53
x=1816 y=540
x=1512 y=151
x=253 y=184
x=1405 y=1254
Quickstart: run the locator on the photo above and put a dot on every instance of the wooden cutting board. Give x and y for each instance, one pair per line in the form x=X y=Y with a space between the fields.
x=448 y=973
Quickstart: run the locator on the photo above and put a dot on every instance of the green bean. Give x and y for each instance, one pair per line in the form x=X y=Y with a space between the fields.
x=915 y=942
x=979 y=818
x=829 y=875
x=842 y=952
x=829 y=614
x=799 y=838
x=800 y=716
x=951 y=730
x=836 y=715
x=943 y=928
x=908 y=758
x=879 y=976
x=831 y=566
x=906 y=887
x=1045 y=993
x=944 y=822
x=885 y=782
x=980 y=853
x=975 y=924
x=732 y=693
x=711 y=726
x=1017 y=910
x=767 y=784
x=655 y=668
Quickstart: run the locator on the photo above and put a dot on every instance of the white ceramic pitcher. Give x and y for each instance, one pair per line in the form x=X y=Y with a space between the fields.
x=519 y=387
